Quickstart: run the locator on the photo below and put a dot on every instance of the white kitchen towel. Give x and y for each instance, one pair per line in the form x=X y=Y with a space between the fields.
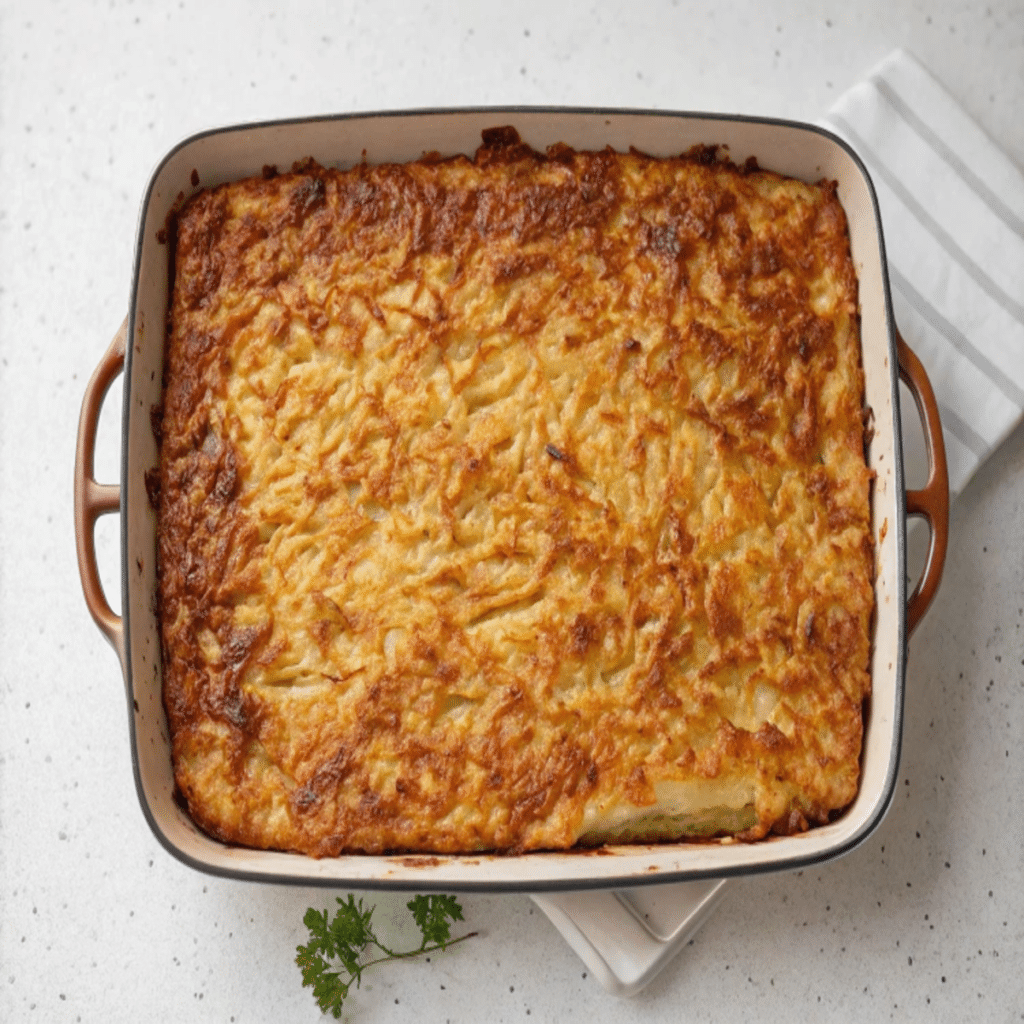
x=953 y=222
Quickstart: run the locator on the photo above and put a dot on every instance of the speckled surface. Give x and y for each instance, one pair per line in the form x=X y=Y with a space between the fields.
x=97 y=922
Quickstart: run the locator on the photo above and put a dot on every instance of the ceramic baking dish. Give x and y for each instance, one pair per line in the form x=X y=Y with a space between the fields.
x=216 y=156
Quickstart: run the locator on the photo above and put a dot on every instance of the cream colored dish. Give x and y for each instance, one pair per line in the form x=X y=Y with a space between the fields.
x=798 y=150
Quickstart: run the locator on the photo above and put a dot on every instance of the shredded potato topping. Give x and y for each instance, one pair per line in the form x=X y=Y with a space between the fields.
x=514 y=502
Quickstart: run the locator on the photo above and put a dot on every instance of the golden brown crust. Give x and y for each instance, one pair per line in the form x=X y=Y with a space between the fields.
x=497 y=495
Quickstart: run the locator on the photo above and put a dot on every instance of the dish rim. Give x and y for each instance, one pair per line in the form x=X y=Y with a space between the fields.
x=793 y=862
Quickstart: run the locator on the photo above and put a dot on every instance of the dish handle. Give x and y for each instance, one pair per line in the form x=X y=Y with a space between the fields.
x=93 y=499
x=931 y=501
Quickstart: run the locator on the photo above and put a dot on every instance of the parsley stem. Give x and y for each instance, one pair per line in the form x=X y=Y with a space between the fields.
x=409 y=954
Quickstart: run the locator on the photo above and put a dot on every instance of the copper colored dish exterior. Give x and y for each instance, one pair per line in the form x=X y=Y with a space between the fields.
x=137 y=350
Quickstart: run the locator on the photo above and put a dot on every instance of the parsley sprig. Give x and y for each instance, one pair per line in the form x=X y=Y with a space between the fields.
x=349 y=939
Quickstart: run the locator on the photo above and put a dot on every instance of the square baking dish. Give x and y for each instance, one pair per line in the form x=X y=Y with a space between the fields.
x=212 y=157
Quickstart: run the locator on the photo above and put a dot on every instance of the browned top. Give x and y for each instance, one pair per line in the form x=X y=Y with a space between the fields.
x=504 y=500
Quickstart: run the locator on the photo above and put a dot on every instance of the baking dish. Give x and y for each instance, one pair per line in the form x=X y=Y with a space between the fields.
x=216 y=156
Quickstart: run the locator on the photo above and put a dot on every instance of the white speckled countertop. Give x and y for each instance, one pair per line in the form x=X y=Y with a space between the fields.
x=925 y=921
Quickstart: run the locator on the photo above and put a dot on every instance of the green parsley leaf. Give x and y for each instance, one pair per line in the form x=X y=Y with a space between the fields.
x=349 y=936
x=432 y=915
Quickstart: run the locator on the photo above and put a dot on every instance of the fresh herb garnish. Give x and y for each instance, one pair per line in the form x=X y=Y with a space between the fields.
x=348 y=939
